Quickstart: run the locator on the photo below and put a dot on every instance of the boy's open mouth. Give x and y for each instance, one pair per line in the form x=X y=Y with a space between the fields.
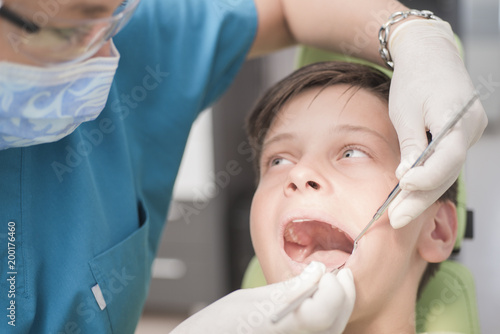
x=307 y=240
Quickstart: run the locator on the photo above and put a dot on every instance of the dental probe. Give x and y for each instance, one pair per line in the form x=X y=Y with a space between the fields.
x=394 y=193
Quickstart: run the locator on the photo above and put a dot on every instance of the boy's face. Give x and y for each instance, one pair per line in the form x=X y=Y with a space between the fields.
x=327 y=165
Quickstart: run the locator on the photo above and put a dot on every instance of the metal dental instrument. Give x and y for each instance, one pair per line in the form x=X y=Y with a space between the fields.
x=394 y=193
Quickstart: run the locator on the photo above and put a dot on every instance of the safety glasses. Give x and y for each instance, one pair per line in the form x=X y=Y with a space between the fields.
x=62 y=40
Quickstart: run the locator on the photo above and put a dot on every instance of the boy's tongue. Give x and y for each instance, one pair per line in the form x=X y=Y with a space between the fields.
x=311 y=240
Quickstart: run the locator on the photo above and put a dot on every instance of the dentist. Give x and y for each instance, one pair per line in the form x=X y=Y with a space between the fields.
x=96 y=102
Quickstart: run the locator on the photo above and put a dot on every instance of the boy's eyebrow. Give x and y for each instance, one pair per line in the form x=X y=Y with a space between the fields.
x=335 y=129
x=357 y=128
x=277 y=138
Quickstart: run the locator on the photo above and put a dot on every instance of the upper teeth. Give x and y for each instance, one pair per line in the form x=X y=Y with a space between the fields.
x=301 y=220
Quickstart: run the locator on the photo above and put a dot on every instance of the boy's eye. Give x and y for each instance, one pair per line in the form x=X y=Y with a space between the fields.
x=280 y=161
x=353 y=153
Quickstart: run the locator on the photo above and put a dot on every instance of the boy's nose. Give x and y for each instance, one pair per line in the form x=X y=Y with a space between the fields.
x=304 y=179
x=309 y=184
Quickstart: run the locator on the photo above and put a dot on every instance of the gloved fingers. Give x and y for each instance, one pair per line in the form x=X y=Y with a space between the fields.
x=408 y=205
x=440 y=109
x=298 y=284
x=290 y=290
x=477 y=121
x=408 y=158
x=430 y=84
x=346 y=280
x=249 y=310
x=473 y=122
x=405 y=208
x=450 y=151
x=443 y=165
x=411 y=144
x=319 y=312
x=406 y=116
x=331 y=306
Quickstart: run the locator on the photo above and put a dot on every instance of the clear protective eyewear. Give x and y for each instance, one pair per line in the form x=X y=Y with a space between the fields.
x=64 y=40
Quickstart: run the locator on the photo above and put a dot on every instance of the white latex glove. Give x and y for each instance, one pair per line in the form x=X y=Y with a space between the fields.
x=429 y=85
x=249 y=310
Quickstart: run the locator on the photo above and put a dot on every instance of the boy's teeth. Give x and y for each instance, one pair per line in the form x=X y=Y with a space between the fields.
x=301 y=220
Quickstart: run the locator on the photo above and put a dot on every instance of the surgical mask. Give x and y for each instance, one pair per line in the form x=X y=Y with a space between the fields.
x=44 y=104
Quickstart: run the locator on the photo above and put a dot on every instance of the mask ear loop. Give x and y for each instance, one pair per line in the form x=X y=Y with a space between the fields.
x=17 y=20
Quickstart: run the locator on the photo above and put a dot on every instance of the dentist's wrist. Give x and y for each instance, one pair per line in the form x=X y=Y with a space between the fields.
x=395 y=21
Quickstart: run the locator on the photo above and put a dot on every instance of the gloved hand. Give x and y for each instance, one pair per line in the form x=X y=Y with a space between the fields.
x=429 y=85
x=249 y=310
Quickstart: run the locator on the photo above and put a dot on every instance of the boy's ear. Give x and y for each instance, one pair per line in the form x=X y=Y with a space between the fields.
x=439 y=232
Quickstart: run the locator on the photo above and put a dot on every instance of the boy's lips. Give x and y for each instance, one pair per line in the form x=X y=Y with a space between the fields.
x=307 y=238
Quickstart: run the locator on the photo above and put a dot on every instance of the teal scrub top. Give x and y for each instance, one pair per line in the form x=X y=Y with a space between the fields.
x=89 y=210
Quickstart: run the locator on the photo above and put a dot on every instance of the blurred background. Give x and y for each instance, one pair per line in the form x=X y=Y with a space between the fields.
x=206 y=244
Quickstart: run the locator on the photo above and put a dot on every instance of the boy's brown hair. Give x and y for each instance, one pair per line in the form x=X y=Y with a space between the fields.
x=323 y=75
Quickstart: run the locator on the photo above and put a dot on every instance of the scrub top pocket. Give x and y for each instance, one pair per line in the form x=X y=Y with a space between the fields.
x=122 y=275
